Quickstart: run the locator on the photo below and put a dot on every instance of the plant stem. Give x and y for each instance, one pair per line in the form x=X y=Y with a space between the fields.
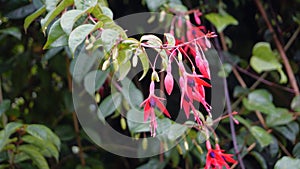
x=292 y=39
x=228 y=105
x=75 y=120
x=282 y=53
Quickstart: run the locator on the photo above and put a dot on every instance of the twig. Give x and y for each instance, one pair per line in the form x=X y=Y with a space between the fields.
x=75 y=120
x=282 y=53
x=292 y=39
x=269 y=83
x=229 y=110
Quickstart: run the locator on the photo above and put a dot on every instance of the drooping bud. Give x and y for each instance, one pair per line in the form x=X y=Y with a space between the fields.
x=169 y=83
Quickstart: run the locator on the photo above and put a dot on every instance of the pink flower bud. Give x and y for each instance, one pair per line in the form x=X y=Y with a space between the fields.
x=169 y=83
x=152 y=87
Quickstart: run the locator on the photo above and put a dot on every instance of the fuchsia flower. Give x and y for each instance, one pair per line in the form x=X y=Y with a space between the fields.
x=216 y=158
x=150 y=104
x=192 y=88
x=169 y=82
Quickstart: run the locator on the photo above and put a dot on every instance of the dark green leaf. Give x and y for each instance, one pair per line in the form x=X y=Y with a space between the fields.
x=21 y=12
x=263 y=137
x=289 y=131
x=9 y=129
x=13 y=31
x=94 y=80
x=65 y=132
x=296 y=150
x=45 y=147
x=260 y=100
x=281 y=117
x=35 y=156
x=295 y=105
x=287 y=163
x=109 y=105
x=221 y=21
x=260 y=159
x=29 y=19
x=44 y=133
x=4 y=106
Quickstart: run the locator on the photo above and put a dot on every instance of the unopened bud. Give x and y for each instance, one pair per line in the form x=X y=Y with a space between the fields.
x=154 y=76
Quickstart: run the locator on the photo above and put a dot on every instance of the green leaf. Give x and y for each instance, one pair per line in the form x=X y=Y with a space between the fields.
x=145 y=62
x=82 y=64
x=131 y=93
x=287 y=163
x=260 y=100
x=65 y=132
x=176 y=130
x=170 y=39
x=263 y=59
x=4 y=166
x=46 y=147
x=280 y=117
x=135 y=121
x=9 y=129
x=56 y=36
x=54 y=13
x=289 y=131
x=78 y=35
x=109 y=37
x=106 y=11
x=109 y=105
x=295 y=105
x=35 y=156
x=44 y=133
x=151 y=40
x=51 y=4
x=94 y=80
x=221 y=21
x=13 y=31
x=260 y=159
x=29 y=19
x=124 y=70
x=4 y=106
x=83 y=4
x=69 y=18
x=263 y=137
x=296 y=150
x=153 y=5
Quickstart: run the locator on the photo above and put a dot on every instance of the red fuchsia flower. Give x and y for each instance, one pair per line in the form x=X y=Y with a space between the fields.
x=169 y=82
x=192 y=88
x=150 y=104
x=201 y=62
x=216 y=158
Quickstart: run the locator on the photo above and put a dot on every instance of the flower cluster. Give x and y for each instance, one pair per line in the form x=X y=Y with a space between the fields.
x=189 y=48
x=216 y=158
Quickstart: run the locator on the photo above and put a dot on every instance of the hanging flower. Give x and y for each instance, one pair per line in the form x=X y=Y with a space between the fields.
x=150 y=104
x=169 y=82
x=216 y=158
x=192 y=89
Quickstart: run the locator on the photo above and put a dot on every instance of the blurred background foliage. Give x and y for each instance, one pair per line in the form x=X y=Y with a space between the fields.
x=35 y=88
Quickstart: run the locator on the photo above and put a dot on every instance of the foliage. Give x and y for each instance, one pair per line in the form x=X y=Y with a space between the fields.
x=36 y=73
